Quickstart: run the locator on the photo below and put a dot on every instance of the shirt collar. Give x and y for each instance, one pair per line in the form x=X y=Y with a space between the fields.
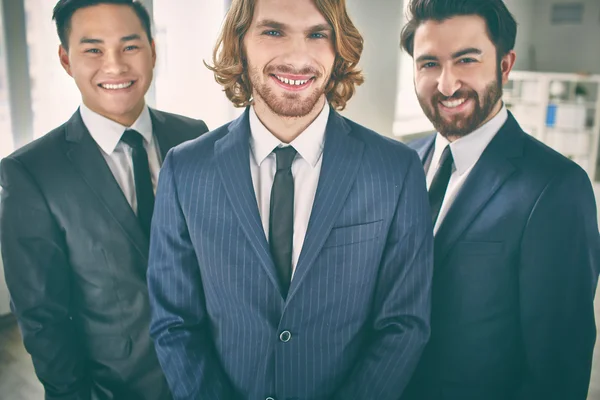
x=309 y=144
x=467 y=149
x=107 y=133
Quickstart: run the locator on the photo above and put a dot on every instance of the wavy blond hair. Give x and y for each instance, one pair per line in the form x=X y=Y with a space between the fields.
x=230 y=69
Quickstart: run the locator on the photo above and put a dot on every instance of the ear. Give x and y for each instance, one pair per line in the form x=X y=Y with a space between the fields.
x=153 y=47
x=506 y=65
x=63 y=56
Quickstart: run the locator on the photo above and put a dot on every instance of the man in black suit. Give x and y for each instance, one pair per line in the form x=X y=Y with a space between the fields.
x=516 y=243
x=76 y=212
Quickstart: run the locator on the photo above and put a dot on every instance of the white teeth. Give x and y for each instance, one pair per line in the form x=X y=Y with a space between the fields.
x=291 y=81
x=116 y=87
x=453 y=103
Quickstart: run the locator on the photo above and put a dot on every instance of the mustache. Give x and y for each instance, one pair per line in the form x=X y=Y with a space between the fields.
x=286 y=69
x=461 y=94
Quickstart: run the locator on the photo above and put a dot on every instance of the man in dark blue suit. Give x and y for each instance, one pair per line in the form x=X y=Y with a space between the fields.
x=516 y=236
x=291 y=251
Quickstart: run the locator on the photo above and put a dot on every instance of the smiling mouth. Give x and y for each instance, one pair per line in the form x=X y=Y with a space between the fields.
x=292 y=82
x=453 y=103
x=116 y=86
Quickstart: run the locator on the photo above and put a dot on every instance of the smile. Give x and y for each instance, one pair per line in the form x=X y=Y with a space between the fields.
x=291 y=81
x=453 y=103
x=117 y=86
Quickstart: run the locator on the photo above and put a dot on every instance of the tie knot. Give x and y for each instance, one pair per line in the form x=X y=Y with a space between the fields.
x=133 y=139
x=446 y=158
x=285 y=157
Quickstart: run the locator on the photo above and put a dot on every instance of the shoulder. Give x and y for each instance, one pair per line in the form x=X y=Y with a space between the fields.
x=40 y=152
x=544 y=163
x=418 y=144
x=190 y=127
x=382 y=149
x=199 y=149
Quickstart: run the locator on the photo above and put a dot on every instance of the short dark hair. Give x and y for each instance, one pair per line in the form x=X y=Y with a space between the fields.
x=501 y=25
x=64 y=10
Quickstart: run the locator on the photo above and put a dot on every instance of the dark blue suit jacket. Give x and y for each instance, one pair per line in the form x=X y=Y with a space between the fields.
x=516 y=268
x=358 y=306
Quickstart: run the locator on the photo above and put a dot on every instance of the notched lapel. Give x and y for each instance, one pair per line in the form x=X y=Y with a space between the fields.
x=233 y=159
x=164 y=137
x=492 y=170
x=87 y=159
x=342 y=156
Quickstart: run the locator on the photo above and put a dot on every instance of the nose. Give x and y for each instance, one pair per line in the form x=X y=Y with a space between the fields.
x=297 y=54
x=448 y=82
x=114 y=63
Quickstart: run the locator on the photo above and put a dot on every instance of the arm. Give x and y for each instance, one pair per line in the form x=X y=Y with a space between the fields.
x=180 y=326
x=400 y=327
x=38 y=278
x=558 y=274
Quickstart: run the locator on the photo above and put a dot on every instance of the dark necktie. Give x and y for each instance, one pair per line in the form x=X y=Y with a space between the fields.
x=281 y=218
x=144 y=192
x=437 y=190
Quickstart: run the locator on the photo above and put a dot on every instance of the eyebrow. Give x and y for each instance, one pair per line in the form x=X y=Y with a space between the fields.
x=268 y=23
x=460 y=53
x=470 y=50
x=128 y=38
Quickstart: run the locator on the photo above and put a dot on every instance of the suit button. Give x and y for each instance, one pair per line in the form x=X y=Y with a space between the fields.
x=269 y=398
x=285 y=336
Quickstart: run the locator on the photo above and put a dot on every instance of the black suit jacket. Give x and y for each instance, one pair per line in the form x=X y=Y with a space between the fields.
x=516 y=266
x=75 y=261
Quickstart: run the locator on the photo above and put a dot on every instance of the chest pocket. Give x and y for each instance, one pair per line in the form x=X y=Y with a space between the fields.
x=345 y=235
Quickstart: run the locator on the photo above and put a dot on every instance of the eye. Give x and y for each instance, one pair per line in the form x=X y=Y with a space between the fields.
x=272 y=33
x=467 y=60
x=93 y=51
x=130 y=48
x=428 y=65
x=318 y=35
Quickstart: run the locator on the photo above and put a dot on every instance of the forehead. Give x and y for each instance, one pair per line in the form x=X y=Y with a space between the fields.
x=105 y=20
x=293 y=13
x=446 y=37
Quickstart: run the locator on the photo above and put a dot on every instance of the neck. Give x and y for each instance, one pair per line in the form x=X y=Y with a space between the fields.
x=286 y=129
x=126 y=119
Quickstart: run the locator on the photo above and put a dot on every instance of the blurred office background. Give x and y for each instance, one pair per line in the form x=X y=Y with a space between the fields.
x=558 y=68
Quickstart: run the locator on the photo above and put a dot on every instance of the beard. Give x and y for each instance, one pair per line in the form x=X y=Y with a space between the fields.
x=459 y=126
x=290 y=104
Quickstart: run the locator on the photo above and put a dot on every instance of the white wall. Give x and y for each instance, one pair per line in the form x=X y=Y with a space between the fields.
x=567 y=48
x=379 y=21
x=524 y=12
x=185 y=35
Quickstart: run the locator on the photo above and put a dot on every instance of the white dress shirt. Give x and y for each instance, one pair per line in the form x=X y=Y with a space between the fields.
x=107 y=134
x=465 y=152
x=306 y=168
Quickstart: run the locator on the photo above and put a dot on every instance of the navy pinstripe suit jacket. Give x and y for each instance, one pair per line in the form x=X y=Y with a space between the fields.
x=359 y=303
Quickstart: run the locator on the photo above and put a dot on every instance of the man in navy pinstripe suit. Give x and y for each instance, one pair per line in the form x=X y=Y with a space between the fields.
x=291 y=250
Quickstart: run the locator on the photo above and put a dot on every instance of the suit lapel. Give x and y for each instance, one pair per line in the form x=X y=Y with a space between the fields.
x=342 y=155
x=87 y=159
x=164 y=137
x=426 y=152
x=494 y=167
x=233 y=159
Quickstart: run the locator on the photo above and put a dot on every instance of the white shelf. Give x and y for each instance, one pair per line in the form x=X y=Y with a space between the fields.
x=528 y=98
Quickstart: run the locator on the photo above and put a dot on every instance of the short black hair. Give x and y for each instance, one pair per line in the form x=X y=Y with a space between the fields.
x=64 y=10
x=501 y=25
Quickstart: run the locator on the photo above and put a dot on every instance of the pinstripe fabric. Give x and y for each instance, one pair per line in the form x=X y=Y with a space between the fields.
x=358 y=307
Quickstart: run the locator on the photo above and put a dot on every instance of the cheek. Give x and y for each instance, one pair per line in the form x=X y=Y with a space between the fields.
x=425 y=86
x=324 y=55
x=144 y=66
x=255 y=57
